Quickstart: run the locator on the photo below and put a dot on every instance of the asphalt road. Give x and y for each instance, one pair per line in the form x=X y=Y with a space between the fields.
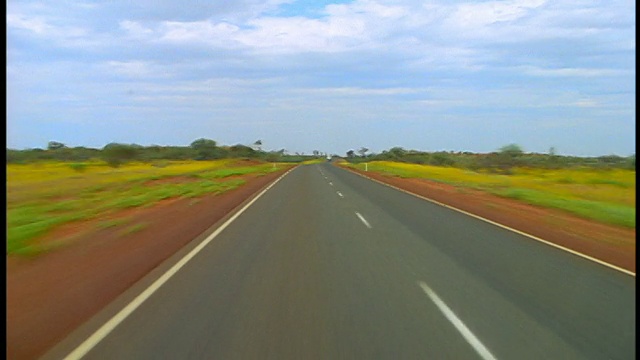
x=329 y=265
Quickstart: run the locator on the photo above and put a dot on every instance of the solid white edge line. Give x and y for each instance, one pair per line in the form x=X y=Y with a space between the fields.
x=506 y=227
x=458 y=324
x=105 y=329
x=363 y=220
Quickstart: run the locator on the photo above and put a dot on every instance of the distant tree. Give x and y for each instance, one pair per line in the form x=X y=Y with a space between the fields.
x=203 y=143
x=54 y=145
x=206 y=149
x=397 y=153
x=116 y=154
x=631 y=162
x=508 y=157
x=513 y=150
x=258 y=145
x=316 y=153
x=16 y=156
x=177 y=153
x=611 y=160
x=351 y=154
x=81 y=153
x=241 y=151
x=441 y=158
x=273 y=156
x=363 y=151
x=552 y=159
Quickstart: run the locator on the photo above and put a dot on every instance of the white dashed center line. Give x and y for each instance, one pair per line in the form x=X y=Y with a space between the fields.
x=340 y=194
x=363 y=220
x=457 y=323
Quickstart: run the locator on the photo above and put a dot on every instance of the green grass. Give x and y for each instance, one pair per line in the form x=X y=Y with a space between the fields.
x=595 y=210
x=314 y=161
x=18 y=236
x=41 y=197
x=606 y=196
x=223 y=173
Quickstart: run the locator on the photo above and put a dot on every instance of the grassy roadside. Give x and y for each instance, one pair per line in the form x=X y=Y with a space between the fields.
x=314 y=161
x=606 y=196
x=41 y=197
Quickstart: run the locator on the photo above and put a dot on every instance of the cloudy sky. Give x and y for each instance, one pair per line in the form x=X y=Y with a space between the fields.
x=324 y=75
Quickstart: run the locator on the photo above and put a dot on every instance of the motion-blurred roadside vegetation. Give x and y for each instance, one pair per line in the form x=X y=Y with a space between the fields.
x=597 y=188
x=502 y=161
x=117 y=154
x=48 y=188
x=45 y=195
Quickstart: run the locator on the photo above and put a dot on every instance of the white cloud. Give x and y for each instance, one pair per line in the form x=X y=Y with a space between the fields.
x=344 y=28
x=197 y=32
x=171 y=10
x=280 y=35
x=35 y=25
x=355 y=91
x=65 y=36
x=453 y=35
x=519 y=21
x=570 y=72
x=136 y=30
x=366 y=8
x=410 y=60
x=135 y=69
x=586 y=103
x=225 y=85
x=41 y=27
x=440 y=103
x=473 y=16
x=286 y=35
x=434 y=57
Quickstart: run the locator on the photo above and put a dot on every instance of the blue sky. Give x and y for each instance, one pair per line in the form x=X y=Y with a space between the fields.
x=324 y=75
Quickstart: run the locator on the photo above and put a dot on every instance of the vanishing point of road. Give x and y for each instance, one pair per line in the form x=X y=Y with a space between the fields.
x=326 y=264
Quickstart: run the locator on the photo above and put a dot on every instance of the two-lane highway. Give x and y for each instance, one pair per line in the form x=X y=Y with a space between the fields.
x=329 y=265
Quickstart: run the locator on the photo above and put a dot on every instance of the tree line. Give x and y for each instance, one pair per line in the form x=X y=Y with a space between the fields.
x=501 y=161
x=116 y=154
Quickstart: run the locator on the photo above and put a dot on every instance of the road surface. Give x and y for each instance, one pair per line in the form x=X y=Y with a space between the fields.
x=329 y=265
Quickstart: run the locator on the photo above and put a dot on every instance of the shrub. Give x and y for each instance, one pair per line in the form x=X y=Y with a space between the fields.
x=79 y=167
